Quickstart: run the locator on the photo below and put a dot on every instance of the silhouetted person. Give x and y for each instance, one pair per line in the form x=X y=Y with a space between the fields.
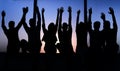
x=24 y=46
x=65 y=33
x=110 y=40
x=34 y=33
x=96 y=39
x=81 y=33
x=50 y=34
x=96 y=44
x=110 y=35
x=12 y=33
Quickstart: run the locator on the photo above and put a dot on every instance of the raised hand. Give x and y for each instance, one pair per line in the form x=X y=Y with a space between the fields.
x=69 y=9
x=102 y=16
x=43 y=10
x=78 y=12
x=58 y=10
x=25 y=10
x=90 y=11
x=3 y=13
x=61 y=9
x=111 y=11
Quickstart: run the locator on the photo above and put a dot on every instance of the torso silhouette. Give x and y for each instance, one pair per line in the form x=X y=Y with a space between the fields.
x=13 y=40
x=34 y=39
x=65 y=40
x=81 y=33
x=96 y=39
x=50 y=40
x=110 y=37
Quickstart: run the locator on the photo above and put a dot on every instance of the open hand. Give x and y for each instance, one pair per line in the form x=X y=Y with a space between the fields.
x=111 y=11
x=69 y=9
x=3 y=13
x=43 y=10
x=78 y=12
x=61 y=9
x=102 y=16
x=25 y=10
x=90 y=11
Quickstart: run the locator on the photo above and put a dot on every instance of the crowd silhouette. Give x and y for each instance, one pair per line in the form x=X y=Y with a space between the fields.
x=103 y=43
x=105 y=40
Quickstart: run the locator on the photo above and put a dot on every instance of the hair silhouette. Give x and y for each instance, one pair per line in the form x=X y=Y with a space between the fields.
x=65 y=33
x=12 y=33
x=50 y=34
x=34 y=32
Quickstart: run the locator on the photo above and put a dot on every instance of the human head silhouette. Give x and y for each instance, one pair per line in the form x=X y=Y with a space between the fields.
x=51 y=26
x=96 y=25
x=11 y=24
x=24 y=45
x=31 y=22
x=81 y=25
x=65 y=26
x=107 y=25
x=23 y=42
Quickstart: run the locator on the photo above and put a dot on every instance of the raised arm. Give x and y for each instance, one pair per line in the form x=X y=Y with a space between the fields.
x=25 y=10
x=60 y=18
x=89 y=20
x=34 y=11
x=77 y=19
x=43 y=21
x=111 y=11
x=57 y=19
x=103 y=17
x=70 y=17
x=3 y=22
x=22 y=21
x=39 y=19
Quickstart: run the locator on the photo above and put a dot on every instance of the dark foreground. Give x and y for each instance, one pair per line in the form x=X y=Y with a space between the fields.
x=44 y=62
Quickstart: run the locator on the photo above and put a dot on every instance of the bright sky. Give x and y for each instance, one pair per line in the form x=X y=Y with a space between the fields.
x=13 y=9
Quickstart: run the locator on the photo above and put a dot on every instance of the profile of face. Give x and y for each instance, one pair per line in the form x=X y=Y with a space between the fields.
x=107 y=25
x=31 y=22
x=11 y=24
x=96 y=25
x=65 y=26
x=51 y=26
